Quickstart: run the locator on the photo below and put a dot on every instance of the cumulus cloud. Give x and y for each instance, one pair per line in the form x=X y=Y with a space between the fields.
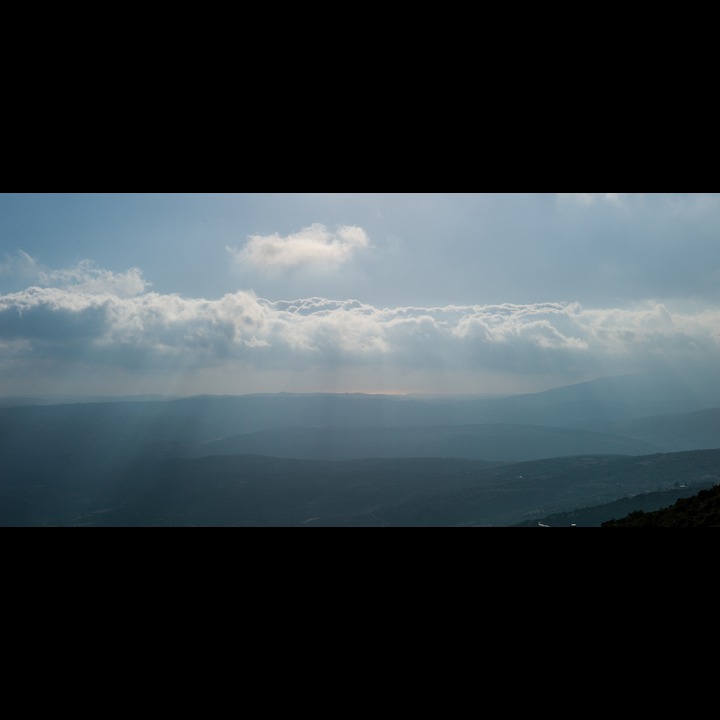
x=315 y=247
x=114 y=320
x=83 y=278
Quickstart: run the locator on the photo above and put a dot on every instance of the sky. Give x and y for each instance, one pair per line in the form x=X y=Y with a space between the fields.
x=461 y=293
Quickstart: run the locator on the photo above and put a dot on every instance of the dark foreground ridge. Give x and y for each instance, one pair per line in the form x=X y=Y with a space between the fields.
x=701 y=510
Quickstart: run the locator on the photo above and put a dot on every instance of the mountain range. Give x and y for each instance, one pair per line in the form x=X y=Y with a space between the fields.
x=339 y=460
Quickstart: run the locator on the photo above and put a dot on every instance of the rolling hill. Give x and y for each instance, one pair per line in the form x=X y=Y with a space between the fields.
x=254 y=491
x=678 y=432
x=354 y=460
x=701 y=510
x=496 y=443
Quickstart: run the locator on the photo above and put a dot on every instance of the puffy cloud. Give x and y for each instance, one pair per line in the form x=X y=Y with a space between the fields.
x=51 y=316
x=314 y=246
x=112 y=320
x=84 y=278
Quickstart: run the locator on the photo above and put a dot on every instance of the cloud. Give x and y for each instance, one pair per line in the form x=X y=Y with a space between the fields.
x=313 y=247
x=88 y=279
x=593 y=198
x=669 y=204
x=106 y=319
x=50 y=317
x=83 y=278
x=19 y=265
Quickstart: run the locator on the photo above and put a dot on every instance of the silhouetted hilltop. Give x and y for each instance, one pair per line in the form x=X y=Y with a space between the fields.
x=701 y=510
x=596 y=515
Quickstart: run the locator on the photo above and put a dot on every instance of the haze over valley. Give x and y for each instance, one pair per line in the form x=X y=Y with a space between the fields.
x=353 y=460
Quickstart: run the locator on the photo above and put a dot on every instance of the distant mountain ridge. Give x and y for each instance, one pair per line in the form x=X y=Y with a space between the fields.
x=496 y=443
x=675 y=433
x=609 y=416
x=354 y=459
x=599 y=406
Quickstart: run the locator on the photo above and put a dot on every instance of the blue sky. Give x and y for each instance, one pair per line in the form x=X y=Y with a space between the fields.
x=183 y=293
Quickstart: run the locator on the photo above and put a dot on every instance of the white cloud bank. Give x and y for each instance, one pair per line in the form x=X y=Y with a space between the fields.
x=313 y=247
x=110 y=320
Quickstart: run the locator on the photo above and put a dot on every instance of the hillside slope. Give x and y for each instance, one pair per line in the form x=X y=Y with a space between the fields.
x=250 y=491
x=701 y=510
x=676 y=433
x=597 y=515
x=497 y=443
